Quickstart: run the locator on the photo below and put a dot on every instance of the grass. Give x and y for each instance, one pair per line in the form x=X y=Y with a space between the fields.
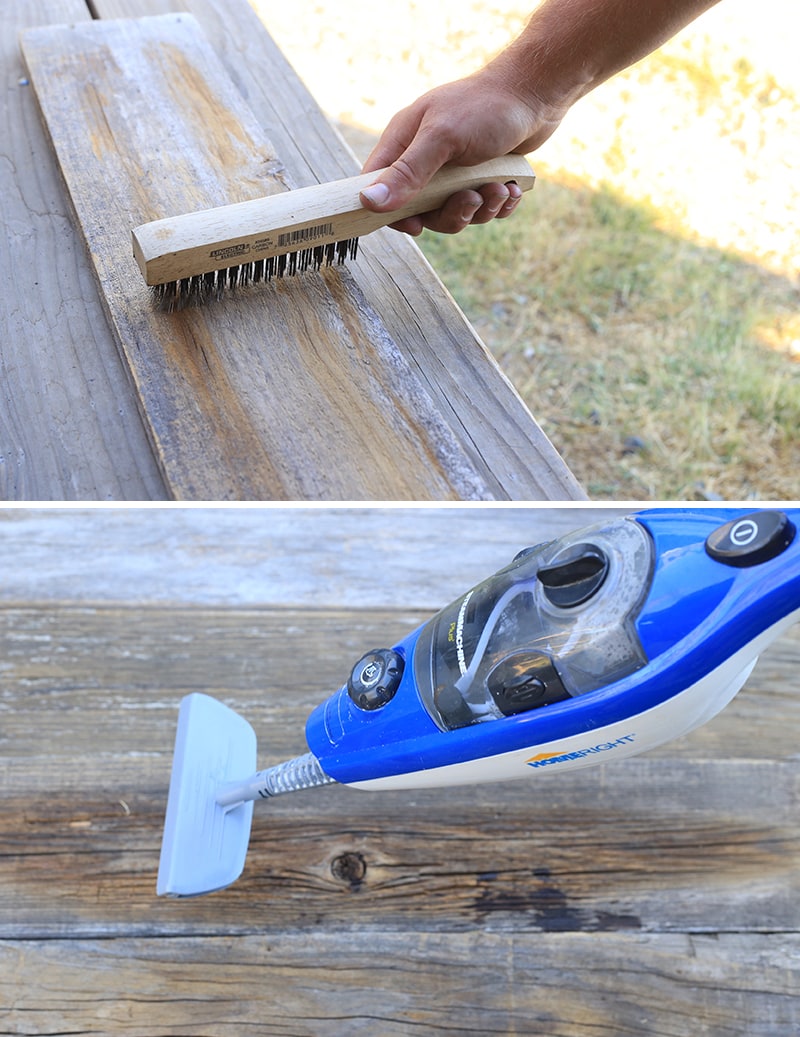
x=637 y=350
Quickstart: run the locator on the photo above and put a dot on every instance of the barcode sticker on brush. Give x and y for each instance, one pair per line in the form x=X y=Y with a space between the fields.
x=305 y=234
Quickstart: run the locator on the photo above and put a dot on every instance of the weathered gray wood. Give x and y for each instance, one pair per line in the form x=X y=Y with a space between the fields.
x=490 y=420
x=69 y=424
x=341 y=985
x=689 y=839
x=292 y=391
x=274 y=556
x=292 y=119
x=337 y=412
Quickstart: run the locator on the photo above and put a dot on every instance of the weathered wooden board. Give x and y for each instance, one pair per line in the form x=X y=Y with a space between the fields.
x=304 y=985
x=69 y=423
x=295 y=391
x=493 y=425
x=314 y=557
x=685 y=840
x=660 y=893
x=263 y=397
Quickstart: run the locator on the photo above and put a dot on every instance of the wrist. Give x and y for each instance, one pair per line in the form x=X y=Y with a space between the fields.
x=548 y=65
x=569 y=47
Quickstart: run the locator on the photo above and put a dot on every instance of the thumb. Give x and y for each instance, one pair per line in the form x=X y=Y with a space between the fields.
x=398 y=184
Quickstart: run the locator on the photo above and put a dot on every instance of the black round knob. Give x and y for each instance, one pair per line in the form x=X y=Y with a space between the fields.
x=375 y=678
x=573 y=579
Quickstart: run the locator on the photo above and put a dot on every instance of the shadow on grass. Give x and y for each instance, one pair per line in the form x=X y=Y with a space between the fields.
x=643 y=355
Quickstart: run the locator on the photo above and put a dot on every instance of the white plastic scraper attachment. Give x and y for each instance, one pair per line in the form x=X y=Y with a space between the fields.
x=205 y=844
x=211 y=795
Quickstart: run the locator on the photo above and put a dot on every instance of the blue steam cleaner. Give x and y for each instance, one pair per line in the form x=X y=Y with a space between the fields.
x=598 y=645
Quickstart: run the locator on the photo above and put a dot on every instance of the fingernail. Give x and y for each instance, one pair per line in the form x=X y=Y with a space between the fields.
x=468 y=212
x=376 y=194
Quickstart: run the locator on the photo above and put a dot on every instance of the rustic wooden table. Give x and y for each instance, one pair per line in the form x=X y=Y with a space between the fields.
x=655 y=896
x=363 y=384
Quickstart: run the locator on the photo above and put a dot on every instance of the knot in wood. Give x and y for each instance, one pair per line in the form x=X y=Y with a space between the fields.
x=350 y=868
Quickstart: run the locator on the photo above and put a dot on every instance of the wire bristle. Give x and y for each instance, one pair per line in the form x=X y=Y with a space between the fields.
x=203 y=288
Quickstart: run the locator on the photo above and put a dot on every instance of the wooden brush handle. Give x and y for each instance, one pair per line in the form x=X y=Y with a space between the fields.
x=197 y=243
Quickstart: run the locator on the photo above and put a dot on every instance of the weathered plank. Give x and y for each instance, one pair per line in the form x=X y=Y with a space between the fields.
x=69 y=424
x=294 y=391
x=487 y=415
x=50 y=653
x=303 y=985
x=330 y=557
x=80 y=862
x=687 y=839
x=157 y=112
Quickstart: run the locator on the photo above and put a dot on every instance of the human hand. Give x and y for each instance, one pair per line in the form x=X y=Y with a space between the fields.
x=465 y=122
x=567 y=48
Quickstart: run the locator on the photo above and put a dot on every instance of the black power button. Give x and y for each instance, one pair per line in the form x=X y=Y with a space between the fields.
x=375 y=678
x=751 y=539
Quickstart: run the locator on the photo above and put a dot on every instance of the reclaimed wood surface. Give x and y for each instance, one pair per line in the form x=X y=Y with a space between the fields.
x=69 y=422
x=654 y=896
x=301 y=390
x=457 y=370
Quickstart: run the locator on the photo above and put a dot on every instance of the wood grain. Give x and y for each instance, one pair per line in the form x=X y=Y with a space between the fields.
x=312 y=434
x=294 y=392
x=69 y=424
x=304 y=985
x=330 y=557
